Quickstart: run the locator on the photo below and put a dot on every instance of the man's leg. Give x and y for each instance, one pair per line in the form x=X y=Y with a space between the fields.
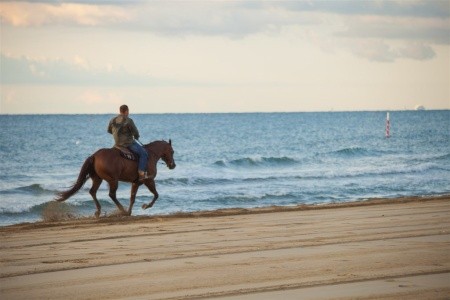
x=143 y=157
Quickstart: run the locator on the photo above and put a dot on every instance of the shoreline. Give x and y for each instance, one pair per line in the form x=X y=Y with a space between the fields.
x=376 y=249
x=220 y=212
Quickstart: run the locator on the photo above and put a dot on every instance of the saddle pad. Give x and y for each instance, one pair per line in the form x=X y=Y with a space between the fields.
x=126 y=153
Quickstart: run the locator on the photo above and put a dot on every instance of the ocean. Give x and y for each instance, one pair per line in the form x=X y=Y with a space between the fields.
x=241 y=160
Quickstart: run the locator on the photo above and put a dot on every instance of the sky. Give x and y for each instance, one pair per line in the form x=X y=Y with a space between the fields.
x=76 y=57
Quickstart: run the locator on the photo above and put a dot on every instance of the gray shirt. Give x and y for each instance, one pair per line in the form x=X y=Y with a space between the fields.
x=123 y=130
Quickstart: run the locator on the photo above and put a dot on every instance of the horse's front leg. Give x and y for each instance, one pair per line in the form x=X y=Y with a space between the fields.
x=150 y=183
x=134 y=189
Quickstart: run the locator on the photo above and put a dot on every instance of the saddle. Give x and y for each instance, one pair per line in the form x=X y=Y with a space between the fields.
x=126 y=153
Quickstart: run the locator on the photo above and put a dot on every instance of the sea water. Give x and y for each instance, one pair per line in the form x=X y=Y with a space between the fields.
x=230 y=160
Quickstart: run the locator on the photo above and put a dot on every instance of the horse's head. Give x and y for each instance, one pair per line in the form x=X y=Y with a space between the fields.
x=163 y=150
x=167 y=155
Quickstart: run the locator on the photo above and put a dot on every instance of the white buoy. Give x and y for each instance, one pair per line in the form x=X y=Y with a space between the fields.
x=388 y=126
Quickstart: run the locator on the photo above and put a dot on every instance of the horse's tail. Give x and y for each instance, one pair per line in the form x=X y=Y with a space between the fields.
x=86 y=170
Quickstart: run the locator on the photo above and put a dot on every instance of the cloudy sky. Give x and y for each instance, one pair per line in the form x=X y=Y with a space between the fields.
x=223 y=56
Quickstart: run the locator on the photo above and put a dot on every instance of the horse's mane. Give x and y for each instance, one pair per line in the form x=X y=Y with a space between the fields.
x=155 y=142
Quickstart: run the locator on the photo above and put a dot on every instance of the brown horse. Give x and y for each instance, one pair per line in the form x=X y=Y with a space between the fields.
x=109 y=165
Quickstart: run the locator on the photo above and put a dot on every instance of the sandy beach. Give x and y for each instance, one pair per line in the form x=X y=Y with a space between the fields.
x=378 y=249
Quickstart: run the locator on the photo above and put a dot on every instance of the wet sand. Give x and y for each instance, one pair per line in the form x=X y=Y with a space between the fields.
x=378 y=249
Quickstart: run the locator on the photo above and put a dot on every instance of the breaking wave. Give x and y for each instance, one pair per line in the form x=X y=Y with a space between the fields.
x=257 y=162
x=33 y=189
x=357 y=152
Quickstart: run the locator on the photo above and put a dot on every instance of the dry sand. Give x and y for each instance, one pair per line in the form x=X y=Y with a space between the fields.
x=380 y=249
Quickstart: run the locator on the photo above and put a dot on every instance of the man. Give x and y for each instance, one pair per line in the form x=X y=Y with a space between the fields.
x=125 y=134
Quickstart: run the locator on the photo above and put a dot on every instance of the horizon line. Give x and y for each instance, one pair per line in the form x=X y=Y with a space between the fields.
x=230 y=112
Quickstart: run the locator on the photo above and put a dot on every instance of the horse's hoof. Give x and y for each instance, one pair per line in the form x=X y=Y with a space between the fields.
x=145 y=206
x=97 y=214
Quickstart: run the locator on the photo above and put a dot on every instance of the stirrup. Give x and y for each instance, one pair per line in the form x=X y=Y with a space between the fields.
x=143 y=176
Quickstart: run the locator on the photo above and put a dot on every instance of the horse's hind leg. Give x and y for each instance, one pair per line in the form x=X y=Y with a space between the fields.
x=151 y=186
x=134 y=189
x=113 y=185
x=96 y=182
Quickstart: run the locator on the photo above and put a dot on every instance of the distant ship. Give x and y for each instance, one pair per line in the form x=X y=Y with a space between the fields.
x=420 y=107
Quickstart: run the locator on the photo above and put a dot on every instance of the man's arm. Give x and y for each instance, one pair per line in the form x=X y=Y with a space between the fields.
x=110 y=127
x=134 y=130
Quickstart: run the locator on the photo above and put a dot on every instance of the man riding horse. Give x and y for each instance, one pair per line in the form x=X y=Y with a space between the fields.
x=108 y=164
x=125 y=134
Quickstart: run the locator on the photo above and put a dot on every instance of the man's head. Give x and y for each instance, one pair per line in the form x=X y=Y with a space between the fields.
x=124 y=109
